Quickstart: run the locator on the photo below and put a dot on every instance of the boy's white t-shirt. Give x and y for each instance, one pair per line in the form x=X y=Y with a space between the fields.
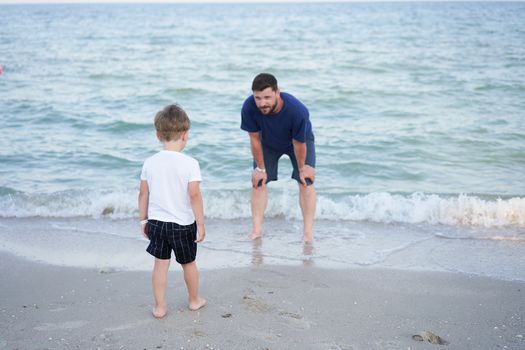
x=168 y=174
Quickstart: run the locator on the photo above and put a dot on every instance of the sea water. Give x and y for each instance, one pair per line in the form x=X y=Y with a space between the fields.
x=417 y=110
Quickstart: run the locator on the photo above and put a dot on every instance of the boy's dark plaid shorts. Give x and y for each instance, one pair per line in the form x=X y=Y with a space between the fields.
x=167 y=236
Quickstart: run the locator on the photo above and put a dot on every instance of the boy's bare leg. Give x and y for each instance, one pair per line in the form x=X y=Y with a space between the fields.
x=307 y=200
x=160 y=281
x=259 y=203
x=191 y=277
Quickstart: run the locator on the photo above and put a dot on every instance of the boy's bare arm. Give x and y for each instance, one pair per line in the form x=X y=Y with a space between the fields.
x=143 y=205
x=198 y=208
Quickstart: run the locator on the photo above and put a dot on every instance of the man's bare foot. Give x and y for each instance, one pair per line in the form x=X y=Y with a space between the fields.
x=308 y=248
x=197 y=304
x=160 y=311
x=254 y=235
x=308 y=238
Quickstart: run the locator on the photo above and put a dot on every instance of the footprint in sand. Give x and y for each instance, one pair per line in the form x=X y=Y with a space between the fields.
x=126 y=326
x=254 y=304
x=429 y=337
x=334 y=346
x=290 y=314
x=60 y=326
x=296 y=319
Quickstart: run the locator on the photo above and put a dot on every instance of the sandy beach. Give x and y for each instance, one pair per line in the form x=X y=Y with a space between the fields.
x=261 y=307
x=417 y=112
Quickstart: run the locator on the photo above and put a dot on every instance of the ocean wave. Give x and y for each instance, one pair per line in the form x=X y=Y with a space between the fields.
x=7 y=191
x=111 y=76
x=122 y=126
x=461 y=210
x=512 y=237
x=382 y=207
x=64 y=204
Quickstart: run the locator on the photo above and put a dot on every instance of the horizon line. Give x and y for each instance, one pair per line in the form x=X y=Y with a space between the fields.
x=145 y=2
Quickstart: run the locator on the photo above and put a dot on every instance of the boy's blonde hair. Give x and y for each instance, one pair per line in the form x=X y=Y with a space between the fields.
x=171 y=122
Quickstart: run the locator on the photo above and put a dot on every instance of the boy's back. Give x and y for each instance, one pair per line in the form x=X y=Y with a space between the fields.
x=168 y=174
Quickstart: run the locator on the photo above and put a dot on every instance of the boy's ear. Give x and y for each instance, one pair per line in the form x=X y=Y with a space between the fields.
x=158 y=135
x=185 y=135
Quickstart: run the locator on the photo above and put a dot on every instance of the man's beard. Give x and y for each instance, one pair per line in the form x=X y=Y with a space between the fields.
x=272 y=109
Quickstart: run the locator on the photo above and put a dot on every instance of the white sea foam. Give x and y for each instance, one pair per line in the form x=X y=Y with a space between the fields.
x=427 y=208
x=382 y=207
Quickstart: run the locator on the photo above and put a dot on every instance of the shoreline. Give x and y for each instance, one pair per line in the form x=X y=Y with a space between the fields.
x=257 y=307
x=116 y=245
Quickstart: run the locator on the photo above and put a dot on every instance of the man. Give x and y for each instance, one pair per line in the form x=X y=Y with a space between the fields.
x=278 y=124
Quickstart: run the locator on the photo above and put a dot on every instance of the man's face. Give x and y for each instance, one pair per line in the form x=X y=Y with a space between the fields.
x=266 y=100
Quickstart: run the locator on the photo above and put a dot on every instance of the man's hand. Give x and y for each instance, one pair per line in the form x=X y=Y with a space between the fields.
x=201 y=233
x=306 y=172
x=258 y=176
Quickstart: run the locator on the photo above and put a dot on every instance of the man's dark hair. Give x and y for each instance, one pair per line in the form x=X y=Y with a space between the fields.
x=263 y=81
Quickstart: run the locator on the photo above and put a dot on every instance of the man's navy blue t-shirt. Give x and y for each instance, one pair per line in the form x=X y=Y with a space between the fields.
x=278 y=130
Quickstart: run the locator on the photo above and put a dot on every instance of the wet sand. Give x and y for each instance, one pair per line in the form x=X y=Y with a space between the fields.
x=260 y=307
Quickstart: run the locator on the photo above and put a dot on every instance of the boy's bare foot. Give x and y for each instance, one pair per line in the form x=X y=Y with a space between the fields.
x=160 y=311
x=197 y=304
x=254 y=235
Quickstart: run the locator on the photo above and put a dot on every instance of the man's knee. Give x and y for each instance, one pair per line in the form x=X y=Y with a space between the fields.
x=307 y=190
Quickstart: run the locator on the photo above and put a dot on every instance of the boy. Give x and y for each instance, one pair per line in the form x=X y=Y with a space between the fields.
x=170 y=207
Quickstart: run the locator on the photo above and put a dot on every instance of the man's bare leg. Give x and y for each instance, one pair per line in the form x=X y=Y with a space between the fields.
x=259 y=203
x=307 y=200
